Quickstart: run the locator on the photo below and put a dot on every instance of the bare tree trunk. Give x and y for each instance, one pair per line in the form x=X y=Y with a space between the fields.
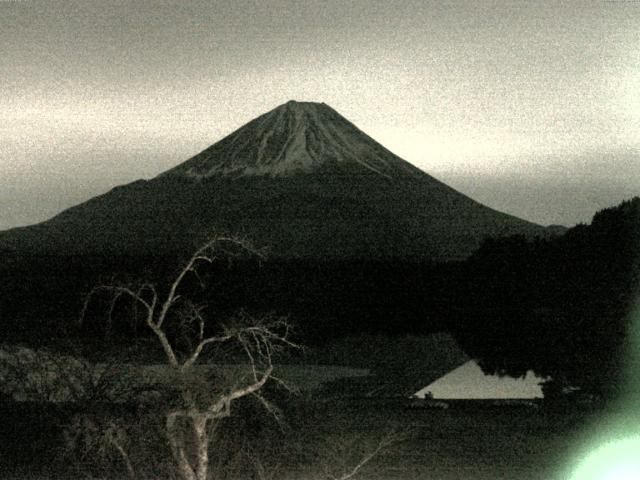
x=259 y=337
x=202 y=446
x=184 y=467
x=131 y=474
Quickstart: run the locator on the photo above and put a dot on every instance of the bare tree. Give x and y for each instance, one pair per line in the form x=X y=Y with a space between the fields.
x=94 y=440
x=346 y=456
x=189 y=421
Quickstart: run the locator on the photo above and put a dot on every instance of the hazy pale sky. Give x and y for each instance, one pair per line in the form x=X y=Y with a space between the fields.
x=530 y=107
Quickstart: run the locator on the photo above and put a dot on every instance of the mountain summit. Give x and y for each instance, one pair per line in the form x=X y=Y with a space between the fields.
x=301 y=180
x=296 y=137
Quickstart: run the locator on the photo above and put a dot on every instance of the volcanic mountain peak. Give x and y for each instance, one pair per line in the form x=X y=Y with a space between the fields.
x=296 y=137
x=300 y=179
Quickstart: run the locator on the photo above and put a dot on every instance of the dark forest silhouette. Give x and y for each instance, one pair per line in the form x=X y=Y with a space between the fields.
x=557 y=305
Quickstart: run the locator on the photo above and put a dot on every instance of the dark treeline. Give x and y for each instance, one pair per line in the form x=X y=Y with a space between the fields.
x=43 y=295
x=558 y=306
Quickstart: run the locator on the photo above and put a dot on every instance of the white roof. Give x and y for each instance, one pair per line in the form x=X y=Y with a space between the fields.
x=468 y=381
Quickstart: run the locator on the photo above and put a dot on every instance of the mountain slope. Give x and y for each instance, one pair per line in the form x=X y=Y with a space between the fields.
x=299 y=179
x=297 y=137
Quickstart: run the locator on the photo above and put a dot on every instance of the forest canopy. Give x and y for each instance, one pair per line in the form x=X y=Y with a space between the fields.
x=560 y=306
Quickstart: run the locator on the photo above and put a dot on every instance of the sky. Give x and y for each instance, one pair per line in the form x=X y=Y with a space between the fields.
x=532 y=108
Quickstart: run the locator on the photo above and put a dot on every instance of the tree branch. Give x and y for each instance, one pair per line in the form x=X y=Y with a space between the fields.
x=200 y=255
x=385 y=442
x=225 y=400
x=117 y=291
x=198 y=350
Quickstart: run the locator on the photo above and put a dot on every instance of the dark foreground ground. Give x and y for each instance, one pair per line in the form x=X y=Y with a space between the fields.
x=466 y=441
x=473 y=441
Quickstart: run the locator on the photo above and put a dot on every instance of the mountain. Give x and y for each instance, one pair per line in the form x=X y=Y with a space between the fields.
x=297 y=137
x=301 y=180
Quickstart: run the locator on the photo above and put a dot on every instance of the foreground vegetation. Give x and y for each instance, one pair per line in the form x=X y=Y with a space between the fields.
x=316 y=440
x=239 y=418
